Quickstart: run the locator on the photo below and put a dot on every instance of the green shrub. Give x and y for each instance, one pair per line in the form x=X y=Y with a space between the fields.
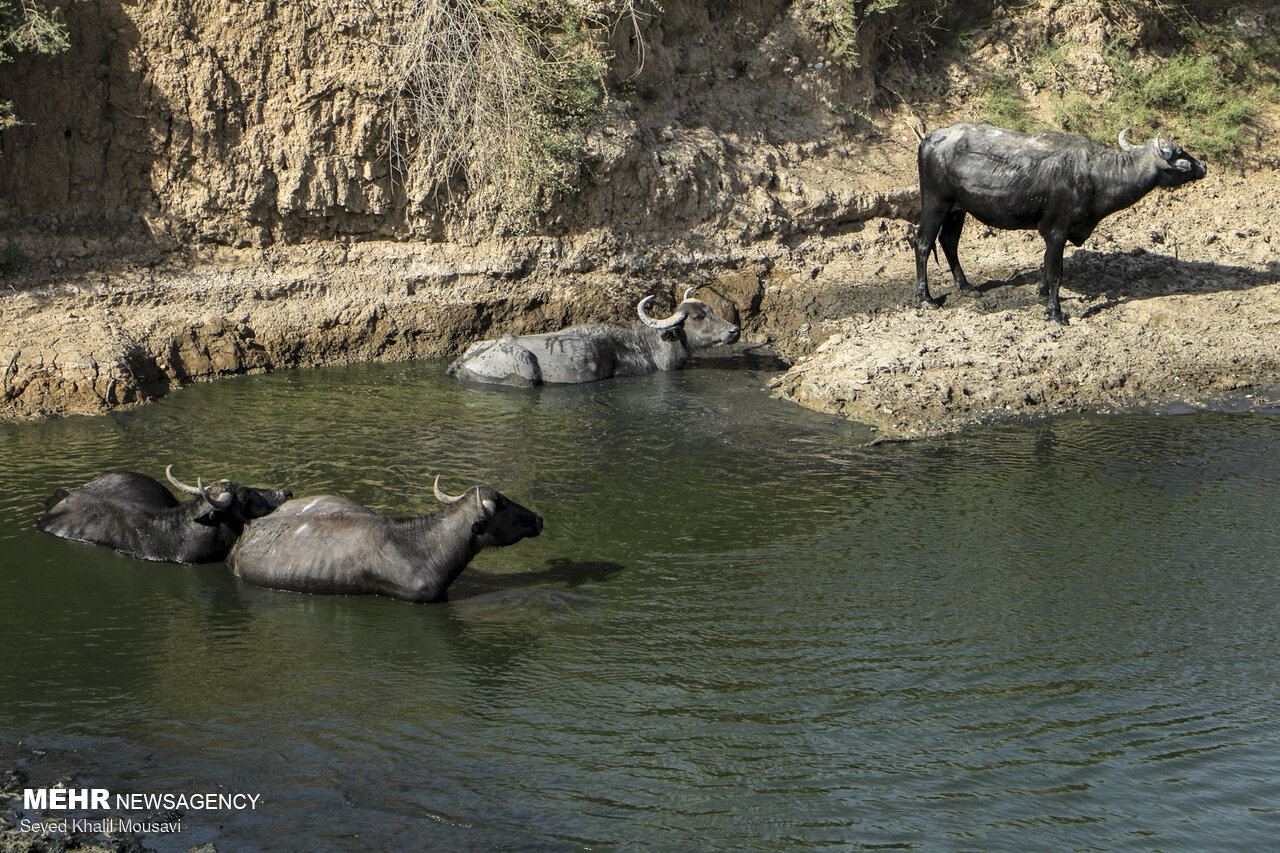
x=899 y=22
x=1207 y=95
x=27 y=26
x=1003 y=104
x=1185 y=96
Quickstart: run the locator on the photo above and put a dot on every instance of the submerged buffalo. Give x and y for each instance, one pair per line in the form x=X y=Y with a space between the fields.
x=333 y=546
x=138 y=516
x=1059 y=184
x=595 y=351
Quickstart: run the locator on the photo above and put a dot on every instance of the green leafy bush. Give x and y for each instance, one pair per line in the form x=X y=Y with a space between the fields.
x=853 y=24
x=27 y=26
x=1206 y=95
x=1185 y=95
x=1003 y=103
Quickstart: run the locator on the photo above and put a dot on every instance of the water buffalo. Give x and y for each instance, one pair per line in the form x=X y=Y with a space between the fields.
x=333 y=546
x=1059 y=184
x=138 y=516
x=596 y=351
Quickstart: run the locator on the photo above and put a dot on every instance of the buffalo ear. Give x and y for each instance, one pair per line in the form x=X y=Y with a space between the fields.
x=487 y=506
x=206 y=515
x=669 y=334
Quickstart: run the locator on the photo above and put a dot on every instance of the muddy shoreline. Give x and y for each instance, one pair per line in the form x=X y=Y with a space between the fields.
x=1174 y=303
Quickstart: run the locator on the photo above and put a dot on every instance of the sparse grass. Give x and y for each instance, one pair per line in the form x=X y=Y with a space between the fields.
x=1184 y=95
x=877 y=164
x=1003 y=103
x=843 y=109
x=1188 y=95
x=1044 y=68
x=1258 y=57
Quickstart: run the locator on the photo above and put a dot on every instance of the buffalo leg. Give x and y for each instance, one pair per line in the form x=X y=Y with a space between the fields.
x=1052 y=276
x=931 y=218
x=949 y=238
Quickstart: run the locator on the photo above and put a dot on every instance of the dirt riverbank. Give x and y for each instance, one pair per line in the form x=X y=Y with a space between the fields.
x=736 y=156
x=1172 y=303
x=120 y=333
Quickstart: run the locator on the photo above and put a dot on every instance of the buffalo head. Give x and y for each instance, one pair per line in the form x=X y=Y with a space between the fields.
x=227 y=498
x=701 y=325
x=502 y=520
x=1175 y=166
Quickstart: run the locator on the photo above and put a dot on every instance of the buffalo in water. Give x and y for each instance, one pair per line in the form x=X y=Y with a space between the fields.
x=332 y=546
x=595 y=351
x=1057 y=183
x=138 y=516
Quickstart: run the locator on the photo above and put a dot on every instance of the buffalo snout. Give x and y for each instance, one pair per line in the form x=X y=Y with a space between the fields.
x=256 y=502
x=515 y=524
x=529 y=523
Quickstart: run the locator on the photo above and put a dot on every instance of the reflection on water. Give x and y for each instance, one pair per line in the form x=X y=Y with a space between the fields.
x=742 y=629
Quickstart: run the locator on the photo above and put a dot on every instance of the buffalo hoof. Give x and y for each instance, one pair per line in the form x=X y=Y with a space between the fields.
x=1057 y=317
x=932 y=301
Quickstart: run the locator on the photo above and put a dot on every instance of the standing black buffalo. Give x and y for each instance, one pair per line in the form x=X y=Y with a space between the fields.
x=596 y=351
x=138 y=516
x=1059 y=184
x=333 y=546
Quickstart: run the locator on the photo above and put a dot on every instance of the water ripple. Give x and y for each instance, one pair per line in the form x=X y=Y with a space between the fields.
x=742 y=629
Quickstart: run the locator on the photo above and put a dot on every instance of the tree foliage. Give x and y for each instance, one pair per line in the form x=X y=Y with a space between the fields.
x=27 y=26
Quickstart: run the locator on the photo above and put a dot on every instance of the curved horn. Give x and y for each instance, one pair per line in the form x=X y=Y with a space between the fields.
x=1125 y=144
x=671 y=322
x=445 y=497
x=1159 y=142
x=689 y=292
x=197 y=489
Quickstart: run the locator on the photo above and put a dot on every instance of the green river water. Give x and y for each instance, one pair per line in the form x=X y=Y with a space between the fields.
x=741 y=630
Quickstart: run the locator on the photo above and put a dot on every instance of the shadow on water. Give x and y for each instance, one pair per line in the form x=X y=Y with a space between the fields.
x=560 y=572
x=753 y=357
